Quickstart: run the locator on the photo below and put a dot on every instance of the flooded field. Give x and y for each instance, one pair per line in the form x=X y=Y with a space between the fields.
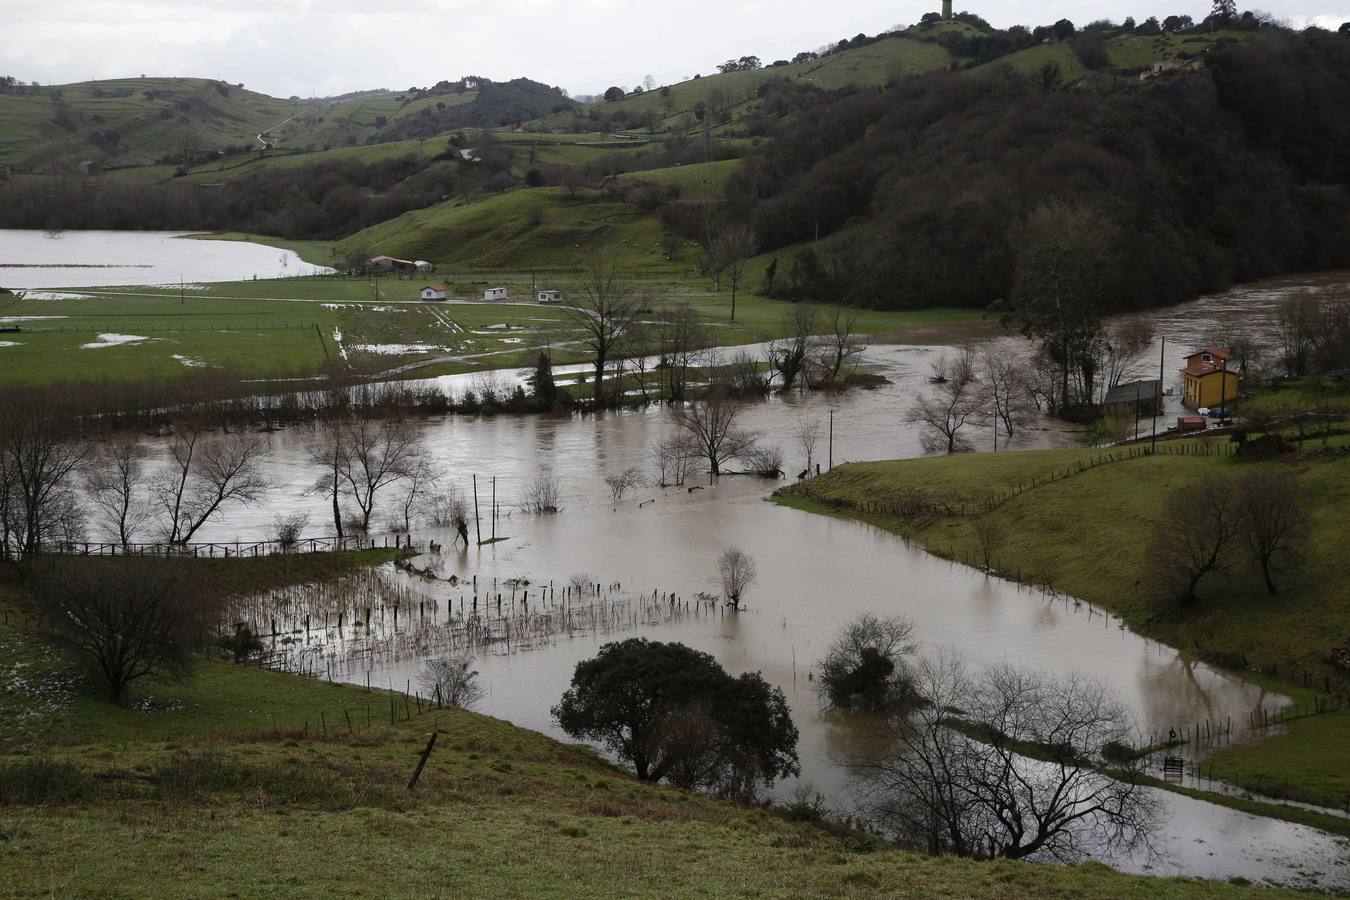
x=657 y=549
x=30 y=259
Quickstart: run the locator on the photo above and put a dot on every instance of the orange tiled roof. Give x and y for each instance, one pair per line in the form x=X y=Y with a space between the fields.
x=1201 y=369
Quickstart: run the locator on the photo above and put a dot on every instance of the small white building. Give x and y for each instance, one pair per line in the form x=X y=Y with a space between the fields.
x=494 y=294
x=423 y=266
x=550 y=296
x=433 y=292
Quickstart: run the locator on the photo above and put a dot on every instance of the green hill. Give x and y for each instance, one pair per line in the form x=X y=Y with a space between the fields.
x=130 y=121
x=667 y=108
x=541 y=227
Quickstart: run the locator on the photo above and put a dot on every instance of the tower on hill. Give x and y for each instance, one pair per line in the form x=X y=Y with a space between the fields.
x=946 y=9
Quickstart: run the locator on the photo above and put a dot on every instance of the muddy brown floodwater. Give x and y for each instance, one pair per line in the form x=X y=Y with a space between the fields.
x=816 y=573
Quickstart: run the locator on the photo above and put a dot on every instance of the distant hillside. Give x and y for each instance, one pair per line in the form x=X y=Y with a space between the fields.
x=142 y=121
x=131 y=121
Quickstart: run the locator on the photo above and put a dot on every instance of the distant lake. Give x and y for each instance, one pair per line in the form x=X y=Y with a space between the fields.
x=30 y=259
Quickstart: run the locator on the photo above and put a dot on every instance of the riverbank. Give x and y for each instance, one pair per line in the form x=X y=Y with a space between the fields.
x=243 y=781
x=1083 y=529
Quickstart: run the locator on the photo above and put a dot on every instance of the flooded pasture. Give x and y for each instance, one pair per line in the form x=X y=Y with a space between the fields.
x=31 y=260
x=656 y=550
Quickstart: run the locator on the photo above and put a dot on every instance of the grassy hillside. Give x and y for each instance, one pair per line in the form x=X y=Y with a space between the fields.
x=1088 y=535
x=674 y=105
x=542 y=227
x=246 y=782
x=50 y=128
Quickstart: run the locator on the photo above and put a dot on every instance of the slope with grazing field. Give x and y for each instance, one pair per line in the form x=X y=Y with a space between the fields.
x=138 y=120
x=246 y=782
x=664 y=109
x=1089 y=535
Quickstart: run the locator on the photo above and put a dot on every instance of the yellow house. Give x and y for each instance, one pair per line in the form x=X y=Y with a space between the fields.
x=1207 y=380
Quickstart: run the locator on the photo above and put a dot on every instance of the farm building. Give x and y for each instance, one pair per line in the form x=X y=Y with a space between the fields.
x=382 y=265
x=1208 y=381
x=549 y=296
x=433 y=292
x=494 y=294
x=1143 y=398
x=91 y=167
x=422 y=265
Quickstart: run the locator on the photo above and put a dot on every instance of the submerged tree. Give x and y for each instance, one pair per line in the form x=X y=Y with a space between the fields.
x=737 y=571
x=674 y=714
x=1063 y=272
x=864 y=668
x=1006 y=762
x=956 y=403
x=710 y=422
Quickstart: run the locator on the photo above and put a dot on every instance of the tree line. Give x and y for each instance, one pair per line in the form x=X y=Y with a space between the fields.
x=923 y=194
x=321 y=200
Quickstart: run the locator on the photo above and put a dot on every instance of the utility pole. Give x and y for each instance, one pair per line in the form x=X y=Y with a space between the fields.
x=831 y=440
x=1162 y=352
x=477 y=523
x=182 y=295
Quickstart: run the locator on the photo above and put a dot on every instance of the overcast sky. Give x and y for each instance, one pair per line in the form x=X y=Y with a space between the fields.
x=284 y=47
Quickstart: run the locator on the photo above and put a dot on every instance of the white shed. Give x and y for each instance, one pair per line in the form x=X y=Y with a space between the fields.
x=433 y=292
x=550 y=296
x=494 y=294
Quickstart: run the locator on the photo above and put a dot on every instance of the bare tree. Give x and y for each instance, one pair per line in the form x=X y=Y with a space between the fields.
x=730 y=252
x=129 y=619
x=737 y=571
x=418 y=490
x=809 y=433
x=990 y=536
x=1195 y=535
x=674 y=458
x=838 y=349
x=603 y=310
x=39 y=456
x=955 y=404
x=288 y=527
x=376 y=454
x=1126 y=345
x=710 y=423
x=1274 y=518
x=451 y=682
x=865 y=667
x=621 y=483
x=1007 y=391
x=113 y=483
x=1010 y=763
x=206 y=473
x=543 y=495
x=331 y=455
x=1296 y=328
x=681 y=340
